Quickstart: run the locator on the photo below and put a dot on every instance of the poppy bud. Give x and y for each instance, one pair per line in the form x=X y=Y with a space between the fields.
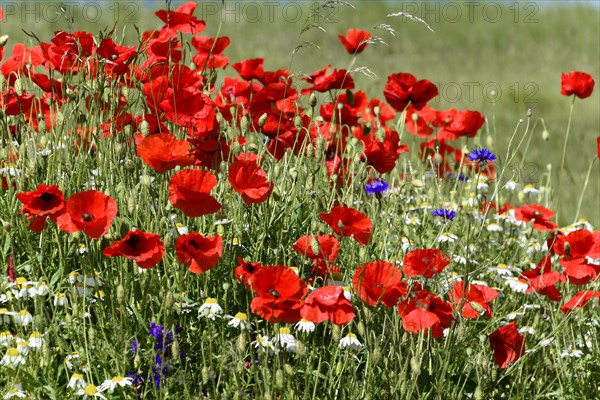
x=312 y=100
x=3 y=40
x=131 y=203
x=314 y=245
x=477 y=307
x=361 y=328
x=489 y=141
x=2 y=82
x=377 y=111
x=279 y=380
x=7 y=226
x=144 y=128
x=545 y=135
x=175 y=349
x=293 y=173
x=244 y=124
x=415 y=117
x=242 y=343
x=92 y=336
x=415 y=365
x=298 y=122
x=205 y=374
x=262 y=120
x=18 y=85
x=120 y=294
x=60 y=118
x=169 y=300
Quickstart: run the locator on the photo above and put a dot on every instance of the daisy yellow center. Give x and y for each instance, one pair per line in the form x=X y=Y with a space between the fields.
x=211 y=300
x=241 y=316
x=12 y=352
x=117 y=379
x=90 y=389
x=284 y=331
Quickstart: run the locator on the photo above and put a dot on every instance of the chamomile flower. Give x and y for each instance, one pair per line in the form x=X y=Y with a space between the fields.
x=571 y=353
x=546 y=342
x=239 y=320
x=36 y=340
x=515 y=284
x=5 y=315
x=530 y=190
x=60 y=299
x=111 y=384
x=263 y=343
x=514 y=315
x=90 y=391
x=12 y=357
x=511 y=186
x=527 y=329
x=23 y=318
x=350 y=341
x=6 y=338
x=494 y=228
x=447 y=237
x=414 y=220
x=76 y=381
x=210 y=309
x=304 y=326
x=501 y=269
x=285 y=339
x=16 y=391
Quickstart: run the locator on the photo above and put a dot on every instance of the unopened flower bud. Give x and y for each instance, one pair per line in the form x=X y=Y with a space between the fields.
x=244 y=124
x=3 y=40
x=545 y=135
x=262 y=120
x=312 y=100
x=121 y=294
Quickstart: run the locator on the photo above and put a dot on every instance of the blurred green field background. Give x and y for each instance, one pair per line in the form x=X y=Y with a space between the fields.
x=517 y=48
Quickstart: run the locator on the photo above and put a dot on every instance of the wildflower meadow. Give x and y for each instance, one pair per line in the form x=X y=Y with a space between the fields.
x=181 y=224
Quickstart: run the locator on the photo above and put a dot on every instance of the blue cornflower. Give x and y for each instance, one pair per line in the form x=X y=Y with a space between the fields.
x=377 y=187
x=444 y=213
x=482 y=156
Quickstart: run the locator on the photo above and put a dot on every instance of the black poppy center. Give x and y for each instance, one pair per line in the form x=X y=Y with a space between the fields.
x=275 y=293
x=87 y=217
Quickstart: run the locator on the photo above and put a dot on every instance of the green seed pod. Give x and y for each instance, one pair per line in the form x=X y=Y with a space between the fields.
x=7 y=226
x=293 y=173
x=545 y=135
x=377 y=356
x=120 y=294
x=361 y=328
x=478 y=394
x=310 y=150
x=339 y=368
x=2 y=82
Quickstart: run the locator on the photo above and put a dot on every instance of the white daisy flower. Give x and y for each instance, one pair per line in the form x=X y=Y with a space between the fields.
x=111 y=384
x=304 y=326
x=527 y=329
x=6 y=338
x=23 y=317
x=16 y=391
x=285 y=340
x=76 y=381
x=210 y=309
x=60 y=299
x=36 y=340
x=515 y=284
x=239 y=320
x=90 y=391
x=350 y=341
x=263 y=342
x=511 y=186
x=447 y=237
x=494 y=228
x=5 y=315
x=530 y=190
x=501 y=269
x=12 y=357
x=571 y=353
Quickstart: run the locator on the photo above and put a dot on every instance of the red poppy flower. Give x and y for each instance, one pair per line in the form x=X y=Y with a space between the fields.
x=424 y=311
x=69 y=52
x=508 y=344
x=383 y=155
x=538 y=214
x=403 y=89
x=278 y=293
x=346 y=221
x=542 y=280
x=578 y=83
x=146 y=249
x=424 y=262
x=250 y=69
x=13 y=103
x=579 y=300
x=189 y=191
x=576 y=244
x=355 y=40
x=379 y=281
x=164 y=152
x=420 y=122
x=200 y=253
x=456 y=124
x=244 y=271
x=328 y=303
x=209 y=52
x=322 y=82
x=45 y=201
x=598 y=144
x=182 y=19
x=249 y=180
x=91 y=212
x=116 y=58
x=475 y=294
x=326 y=247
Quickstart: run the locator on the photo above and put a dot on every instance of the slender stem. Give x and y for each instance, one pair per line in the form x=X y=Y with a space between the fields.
x=587 y=179
x=564 y=153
